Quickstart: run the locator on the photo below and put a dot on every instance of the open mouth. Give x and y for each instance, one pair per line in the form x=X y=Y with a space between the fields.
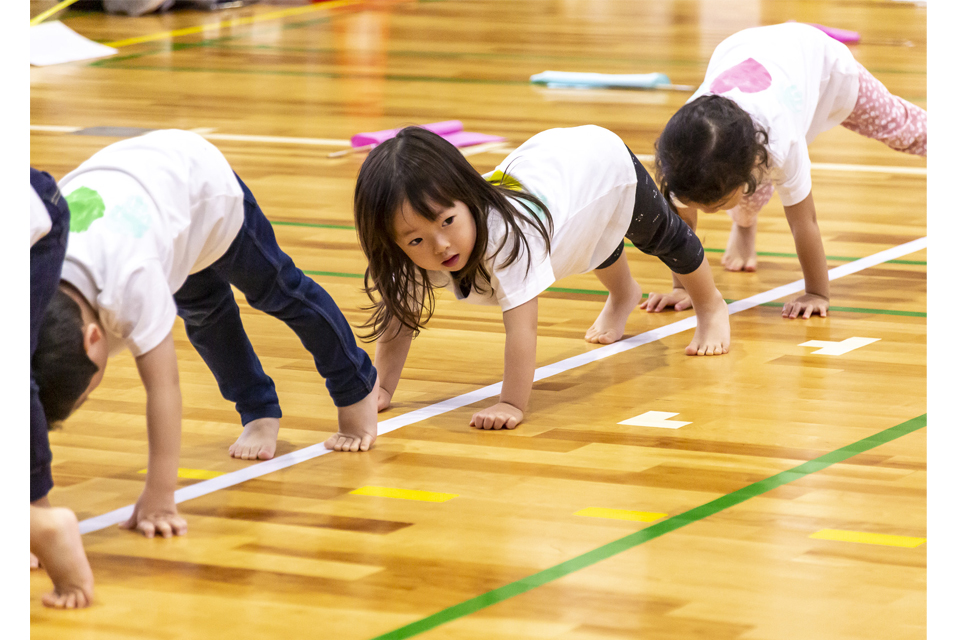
x=449 y=262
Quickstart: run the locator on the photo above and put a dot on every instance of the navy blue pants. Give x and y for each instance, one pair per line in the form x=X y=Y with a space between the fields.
x=257 y=266
x=46 y=261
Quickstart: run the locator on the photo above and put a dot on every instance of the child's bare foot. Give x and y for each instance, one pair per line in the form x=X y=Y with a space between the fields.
x=258 y=440
x=358 y=424
x=612 y=321
x=741 y=253
x=712 y=337
x=625 y=295
x=55 y=537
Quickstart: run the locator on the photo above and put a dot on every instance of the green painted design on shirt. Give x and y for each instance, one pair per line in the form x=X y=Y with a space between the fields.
x=86 y=205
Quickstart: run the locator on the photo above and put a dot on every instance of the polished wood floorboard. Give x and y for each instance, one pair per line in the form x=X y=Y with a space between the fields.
x=295 y=554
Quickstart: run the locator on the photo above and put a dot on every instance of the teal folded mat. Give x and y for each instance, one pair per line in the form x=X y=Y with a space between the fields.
x=574 y=79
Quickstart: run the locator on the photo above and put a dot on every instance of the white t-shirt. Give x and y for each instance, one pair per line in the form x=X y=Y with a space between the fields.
x=586 y=178
x=40 y=222
x=145 y=213
x=793 y=80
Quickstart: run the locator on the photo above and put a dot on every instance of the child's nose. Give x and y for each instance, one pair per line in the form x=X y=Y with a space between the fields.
x=442 y=244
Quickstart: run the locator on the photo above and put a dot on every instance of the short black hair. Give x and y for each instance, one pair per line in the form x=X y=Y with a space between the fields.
x=60 y=365
x=709 y=148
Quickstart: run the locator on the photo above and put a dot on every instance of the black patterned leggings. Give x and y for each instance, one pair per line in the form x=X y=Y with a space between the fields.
x=657 y=230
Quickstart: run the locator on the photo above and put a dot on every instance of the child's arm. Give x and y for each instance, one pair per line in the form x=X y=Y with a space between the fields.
x=155 y=511
x=519 y=363
x=392 y=349
x=712 y=337
x=802 y=218
x=679 y=299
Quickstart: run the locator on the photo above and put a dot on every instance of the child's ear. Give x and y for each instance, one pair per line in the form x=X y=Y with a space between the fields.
x=91 y=335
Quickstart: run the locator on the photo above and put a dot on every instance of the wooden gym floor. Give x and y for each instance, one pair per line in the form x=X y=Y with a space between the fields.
x=790 y=504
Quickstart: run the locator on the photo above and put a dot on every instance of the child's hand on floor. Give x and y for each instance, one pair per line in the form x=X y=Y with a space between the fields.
x=383 y=399
x=499 y=416
x=679 y=299
x=156 y=513
x=806 y=304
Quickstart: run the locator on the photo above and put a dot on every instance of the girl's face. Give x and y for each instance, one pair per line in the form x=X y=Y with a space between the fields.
x=443 y=244
x=725 y=203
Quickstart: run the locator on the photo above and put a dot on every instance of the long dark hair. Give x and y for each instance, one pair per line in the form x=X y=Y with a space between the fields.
x=709 y=148
x=424 y=170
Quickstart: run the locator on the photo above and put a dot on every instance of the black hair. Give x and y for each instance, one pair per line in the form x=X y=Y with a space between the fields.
x=709 y=148
x=422 y=169
x=60 y=365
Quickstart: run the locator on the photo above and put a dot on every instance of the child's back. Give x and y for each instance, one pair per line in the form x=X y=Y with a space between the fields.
x=795 y=82
x=147 y=212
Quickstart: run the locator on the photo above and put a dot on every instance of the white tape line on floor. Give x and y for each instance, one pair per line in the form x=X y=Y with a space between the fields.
x=308 y=453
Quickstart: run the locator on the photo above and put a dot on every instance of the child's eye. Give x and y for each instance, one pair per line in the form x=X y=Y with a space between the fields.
x=415 y=242
x=448 y=221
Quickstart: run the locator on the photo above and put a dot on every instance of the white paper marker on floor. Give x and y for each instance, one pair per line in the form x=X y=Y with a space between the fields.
x=659 y=419
x=838 y=348
x=55 y=42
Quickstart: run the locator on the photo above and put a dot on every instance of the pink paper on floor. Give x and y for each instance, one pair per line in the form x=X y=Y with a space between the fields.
x=840 y=35
x=450 y=130
x=468 y=139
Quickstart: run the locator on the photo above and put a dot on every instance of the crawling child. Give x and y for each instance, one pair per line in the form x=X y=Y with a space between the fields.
x=162 y=226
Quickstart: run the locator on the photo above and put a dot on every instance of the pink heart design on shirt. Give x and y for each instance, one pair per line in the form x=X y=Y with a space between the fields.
x=749 y=76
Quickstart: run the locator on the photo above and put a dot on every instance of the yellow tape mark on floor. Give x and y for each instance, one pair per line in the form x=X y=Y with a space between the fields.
x=620 y=514
x=194 y=474
x=404 y=494
x=868 y=538
x=233 y=22
x=49 y=12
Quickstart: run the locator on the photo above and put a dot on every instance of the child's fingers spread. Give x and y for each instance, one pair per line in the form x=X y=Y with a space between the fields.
x=52 y=600
x=163 y=528
x=179 y=526
x=146 y=528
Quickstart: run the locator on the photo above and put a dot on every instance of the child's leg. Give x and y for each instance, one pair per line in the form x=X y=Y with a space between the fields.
x=890 y=119
x=55 y=539
x=212 y=319
x=625 y=295
x=272 y=283
x=741 y=253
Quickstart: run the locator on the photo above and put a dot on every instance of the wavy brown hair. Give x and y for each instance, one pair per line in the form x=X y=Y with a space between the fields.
x=427 y=172
x=709 y=148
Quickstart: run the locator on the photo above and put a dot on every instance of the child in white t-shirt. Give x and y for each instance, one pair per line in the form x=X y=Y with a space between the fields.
x=768 y=92
x=559 y=205
x=161 y=226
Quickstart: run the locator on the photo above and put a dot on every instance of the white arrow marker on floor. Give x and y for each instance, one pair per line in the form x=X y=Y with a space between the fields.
x=838 y=348
x=655 y=419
